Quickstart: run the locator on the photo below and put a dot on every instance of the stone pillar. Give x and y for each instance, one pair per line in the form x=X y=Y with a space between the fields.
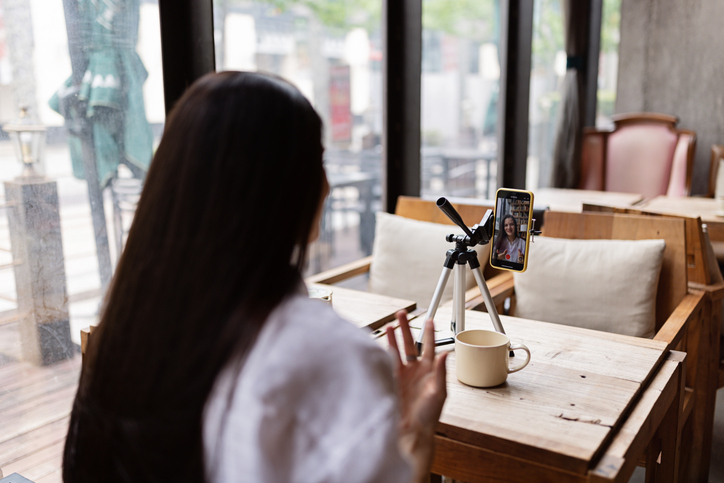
x=37 y=247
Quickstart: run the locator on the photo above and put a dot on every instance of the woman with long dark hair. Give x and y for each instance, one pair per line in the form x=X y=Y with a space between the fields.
x=210 y=362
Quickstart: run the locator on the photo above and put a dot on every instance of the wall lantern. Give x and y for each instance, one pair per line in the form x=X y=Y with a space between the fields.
x=29 y=141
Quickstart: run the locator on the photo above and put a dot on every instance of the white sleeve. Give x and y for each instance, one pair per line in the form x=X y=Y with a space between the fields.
x=310 y=411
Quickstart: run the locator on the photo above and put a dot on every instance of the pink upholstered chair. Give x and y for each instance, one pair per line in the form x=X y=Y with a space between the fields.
x=717 y=154
x=644 y=153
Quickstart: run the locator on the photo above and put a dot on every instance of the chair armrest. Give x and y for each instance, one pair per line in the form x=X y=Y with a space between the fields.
x=334 y=275
x=675 y=326
x=715 y=290
x=85 y=336
x=500 y=286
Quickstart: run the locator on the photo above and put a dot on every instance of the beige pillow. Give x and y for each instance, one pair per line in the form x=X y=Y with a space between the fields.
x=409 y=256
x=607 y=285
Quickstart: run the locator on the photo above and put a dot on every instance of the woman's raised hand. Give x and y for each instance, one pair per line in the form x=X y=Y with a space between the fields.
x=422 y=386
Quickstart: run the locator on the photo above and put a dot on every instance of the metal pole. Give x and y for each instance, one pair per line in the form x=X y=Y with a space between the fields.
x=401 y=73
x=458 y=298
x=77 y=39
x=515 y=56
x=187 y=44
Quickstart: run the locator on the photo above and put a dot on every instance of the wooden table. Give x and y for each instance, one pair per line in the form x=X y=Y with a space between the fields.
x=575 y=413
x=572 y=200
x=705 y=208
x=366 y=309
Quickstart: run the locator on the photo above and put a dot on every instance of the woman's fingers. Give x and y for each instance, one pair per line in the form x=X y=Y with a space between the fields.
x=392 y=342
x=410 y=350
x=428 y=341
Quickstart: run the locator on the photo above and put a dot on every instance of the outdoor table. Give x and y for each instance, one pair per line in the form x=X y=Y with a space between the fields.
x=364 y=182
x=582 y=410
x=557 y=199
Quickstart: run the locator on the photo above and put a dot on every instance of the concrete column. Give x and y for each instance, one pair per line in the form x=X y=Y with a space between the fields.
x=671 y=60
x=37 y=247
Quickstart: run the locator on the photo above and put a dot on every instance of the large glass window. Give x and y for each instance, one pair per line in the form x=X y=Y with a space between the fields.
x=460 y=83
x=332 y=52
x=81 y=79
x=548 y=67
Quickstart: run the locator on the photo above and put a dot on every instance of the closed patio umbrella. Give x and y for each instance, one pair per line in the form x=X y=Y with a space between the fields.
x=102 y=101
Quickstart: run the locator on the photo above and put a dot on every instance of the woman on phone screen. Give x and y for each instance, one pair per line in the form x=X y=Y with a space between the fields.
x=510 y=246
x=210 y=362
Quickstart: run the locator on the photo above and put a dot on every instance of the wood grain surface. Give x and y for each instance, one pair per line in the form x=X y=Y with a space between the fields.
x=565 y=407
x=557 y=199
x=366 y=309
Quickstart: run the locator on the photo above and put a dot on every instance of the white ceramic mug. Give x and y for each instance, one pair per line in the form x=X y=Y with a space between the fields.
x=482 y=357
x=320 y=293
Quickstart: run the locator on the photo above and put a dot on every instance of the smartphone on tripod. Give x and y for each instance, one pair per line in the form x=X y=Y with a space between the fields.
x=511 y=229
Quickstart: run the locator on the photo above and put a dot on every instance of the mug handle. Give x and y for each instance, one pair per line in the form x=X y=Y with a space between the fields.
x=524 y=363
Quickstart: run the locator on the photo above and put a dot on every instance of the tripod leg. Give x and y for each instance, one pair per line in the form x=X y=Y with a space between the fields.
x=458 y=318
x=436 y=297
x=489 y=304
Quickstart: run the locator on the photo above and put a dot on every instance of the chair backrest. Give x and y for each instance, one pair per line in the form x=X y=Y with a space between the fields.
x=717 y=155
x=471 y=211
x=644 y=153
x=700 y=258
x=672 y=285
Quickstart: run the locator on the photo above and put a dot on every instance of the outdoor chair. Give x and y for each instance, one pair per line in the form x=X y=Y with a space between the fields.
x=681 y=318
x=643 y=153
x=125 y=193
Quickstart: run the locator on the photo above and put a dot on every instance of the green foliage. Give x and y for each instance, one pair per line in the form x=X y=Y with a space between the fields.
x=336 y=14
x=471 y=19
x=606 y=102
x=610 y=25
x=547 y=32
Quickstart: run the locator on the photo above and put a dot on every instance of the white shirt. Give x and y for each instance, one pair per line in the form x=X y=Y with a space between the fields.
x=315 y=402
x=515 y=249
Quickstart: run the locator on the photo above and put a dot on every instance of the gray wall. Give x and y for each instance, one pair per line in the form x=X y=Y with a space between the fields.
x=671 y=60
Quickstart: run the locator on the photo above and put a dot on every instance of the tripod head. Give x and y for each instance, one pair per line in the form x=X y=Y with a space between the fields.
x=480 y=234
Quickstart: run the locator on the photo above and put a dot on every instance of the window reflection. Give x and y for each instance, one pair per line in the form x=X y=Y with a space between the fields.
x=548 y=66
x=460 y=81
x=332 y=52
x=608 y=62
x=50 y=274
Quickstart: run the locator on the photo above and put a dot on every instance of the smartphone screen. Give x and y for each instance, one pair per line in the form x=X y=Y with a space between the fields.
x=513 y=213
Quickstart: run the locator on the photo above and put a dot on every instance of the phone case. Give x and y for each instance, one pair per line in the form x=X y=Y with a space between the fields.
x=502 y=246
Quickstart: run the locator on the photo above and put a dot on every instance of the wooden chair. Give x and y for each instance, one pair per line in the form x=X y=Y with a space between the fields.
x=470 y=210
x=705 y=275
x=681 y=320
x=644 y=153
x=717 y=154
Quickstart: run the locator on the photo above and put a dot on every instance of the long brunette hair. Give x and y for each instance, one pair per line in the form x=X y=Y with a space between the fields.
x=218 y=240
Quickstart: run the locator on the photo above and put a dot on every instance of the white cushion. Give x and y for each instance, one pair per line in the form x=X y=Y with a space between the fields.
x=408 y=258
x=607 y=285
